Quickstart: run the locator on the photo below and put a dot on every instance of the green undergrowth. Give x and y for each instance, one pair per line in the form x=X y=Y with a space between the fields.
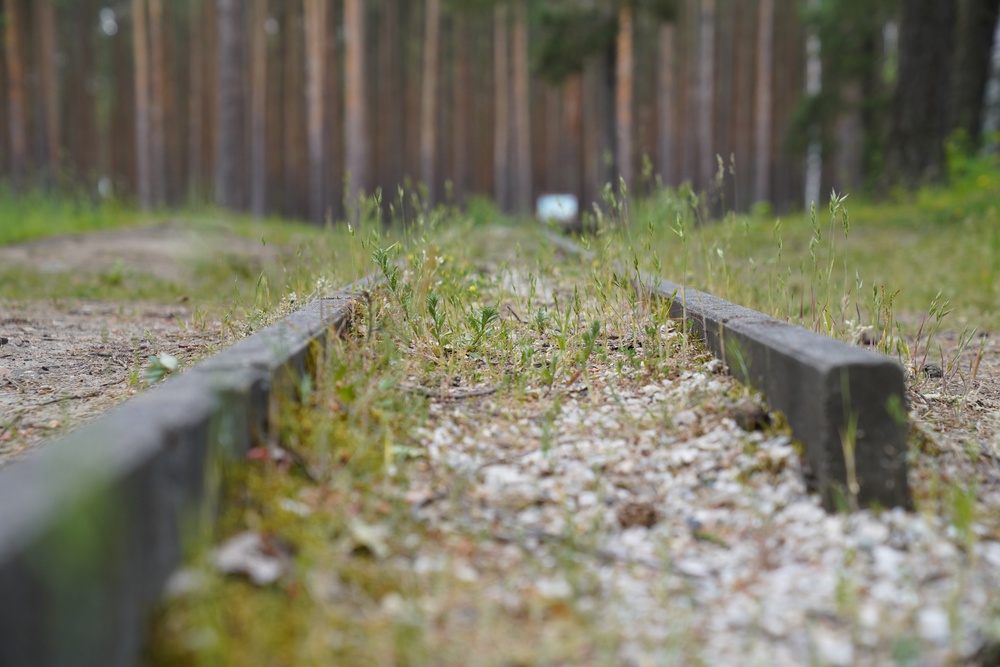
x=890 y=274
x=228 y=270
x=836 y=267
x=38 y=214
x=452 y=319
x=464 y=309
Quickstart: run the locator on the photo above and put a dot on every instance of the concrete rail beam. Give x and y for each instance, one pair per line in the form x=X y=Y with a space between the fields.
x=845 y=404
x=92 y=526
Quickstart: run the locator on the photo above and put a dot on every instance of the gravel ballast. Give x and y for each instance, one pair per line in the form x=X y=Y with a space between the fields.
x=637 y=506
x=699 y=540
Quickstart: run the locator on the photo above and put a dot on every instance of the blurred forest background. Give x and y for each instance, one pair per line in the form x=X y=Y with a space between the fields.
x=296 y=108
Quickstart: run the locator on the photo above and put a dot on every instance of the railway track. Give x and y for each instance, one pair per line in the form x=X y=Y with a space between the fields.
x=545 y=453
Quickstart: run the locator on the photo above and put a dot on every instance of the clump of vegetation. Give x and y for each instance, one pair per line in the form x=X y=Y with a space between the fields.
x=888 y=278
x=504 y=320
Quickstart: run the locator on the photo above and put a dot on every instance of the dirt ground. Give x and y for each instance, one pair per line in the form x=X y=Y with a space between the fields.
x=64 y=362
x=166 y=250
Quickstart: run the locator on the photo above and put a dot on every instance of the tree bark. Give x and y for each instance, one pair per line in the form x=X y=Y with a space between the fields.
x=120 y=126
x=666 y=95
x=258 y=109
x=210 y=97
x=977 y=22
x=48 y=80
x=17 y=113
x=722 y=106
x=173 y=119
x=814 y=87
x=158 y=100
x=743 y=103
x=522 y=110
x=764 y=101
x=79 y=109
x=293 y=115
x=334 y=123
x=706 y=92
x=16 y=99
x=196 y=104
x=143 y=120
x=315 y=14
x=596 y=140
x=463 y=92
x=428 y=98
x=918 y=123
x=624 y=75
x=501 y=123
x=356 y=131
x=573 y=127
x=390 y=89
x=229 y=116
x=849 y=130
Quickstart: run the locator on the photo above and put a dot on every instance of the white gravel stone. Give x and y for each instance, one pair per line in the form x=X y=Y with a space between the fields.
x=740 y=564
x=934 y=625
x=833 y=648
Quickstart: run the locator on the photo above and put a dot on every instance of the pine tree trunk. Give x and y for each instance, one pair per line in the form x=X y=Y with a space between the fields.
x=390 y=89
x=4 y=108
x=463 y=91
x=666 y=95
x=918 y=122
x=764 y=101
x=48 y=87
x=258 y=108
x=501 y=106
x=120 y=126
x=689 y=93
x=157 y=106
x=522 y=110
x=573 y=127
x=196 y=105
x=210 y=97
x=293 y=115
x=315 y=14
x=849 y=128
x=143 y=121
x=273 y=131
x=977 y=22
x=334 y=123
x=594 y=130
x=174 y=122
x=428 y=98
x=743 y=102
x=17 y=111
x=356 y=132
x=814 y=86
x=725 y=65
x=79 y=103
x=229 y=114
x=483 y=109
x=624 y=75
x=706 y=92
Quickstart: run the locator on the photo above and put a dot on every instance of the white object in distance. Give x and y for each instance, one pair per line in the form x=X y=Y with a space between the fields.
x=557 y=207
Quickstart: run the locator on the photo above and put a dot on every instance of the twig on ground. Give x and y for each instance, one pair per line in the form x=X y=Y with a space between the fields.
x=448 y=395
x=74 y=397
x=605 y=555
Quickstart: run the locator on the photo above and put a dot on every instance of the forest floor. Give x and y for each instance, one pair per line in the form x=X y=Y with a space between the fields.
x=513 y=461
x=65 y=361
x=596 y=522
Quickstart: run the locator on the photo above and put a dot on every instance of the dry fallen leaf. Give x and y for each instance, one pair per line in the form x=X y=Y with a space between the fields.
x=370 y=538
x=260 y=558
